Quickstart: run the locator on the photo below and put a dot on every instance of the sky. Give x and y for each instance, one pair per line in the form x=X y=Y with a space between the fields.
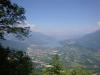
x=62 y=17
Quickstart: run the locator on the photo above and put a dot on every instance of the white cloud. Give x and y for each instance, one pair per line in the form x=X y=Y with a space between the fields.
x=98 y=23
x=33 y=27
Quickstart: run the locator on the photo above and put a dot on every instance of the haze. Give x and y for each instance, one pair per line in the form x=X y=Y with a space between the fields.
x=62 y=17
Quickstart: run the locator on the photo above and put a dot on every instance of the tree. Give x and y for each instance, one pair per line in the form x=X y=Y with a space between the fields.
x=10 y=16
x=56 y=67
x=12 y=19
x=14 y=62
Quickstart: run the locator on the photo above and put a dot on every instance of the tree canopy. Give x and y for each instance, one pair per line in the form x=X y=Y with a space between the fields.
x=14 y=62
x=12 y=17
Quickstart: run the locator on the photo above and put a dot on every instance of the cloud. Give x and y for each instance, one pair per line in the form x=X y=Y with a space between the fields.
x=93 y=28
x=33 y=27
x=98 y=23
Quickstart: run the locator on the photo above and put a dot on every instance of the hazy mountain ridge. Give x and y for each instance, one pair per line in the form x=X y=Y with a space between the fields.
x=84 y=51
x=36 y=38
x=91 y=40
x=14 y=44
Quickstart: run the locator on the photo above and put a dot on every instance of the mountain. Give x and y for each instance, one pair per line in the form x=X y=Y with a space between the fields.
x=14 y=44
x=36 y=38
x=41 y=39
x=91 y=40
x=84 y=51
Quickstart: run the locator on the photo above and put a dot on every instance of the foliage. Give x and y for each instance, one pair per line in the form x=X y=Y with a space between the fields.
x=11 y=19
x=56 y=67
x=78 y=71
x=14 y=62
x=18 y=63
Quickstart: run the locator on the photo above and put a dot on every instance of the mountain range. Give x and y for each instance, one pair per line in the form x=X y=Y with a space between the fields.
x=36 y=38
x=91 y=40
x=84 y=51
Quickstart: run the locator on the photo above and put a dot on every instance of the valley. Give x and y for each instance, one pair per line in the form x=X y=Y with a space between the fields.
x=73 y=53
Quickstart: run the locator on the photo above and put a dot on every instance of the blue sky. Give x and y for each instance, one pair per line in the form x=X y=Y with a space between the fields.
x=62 y=17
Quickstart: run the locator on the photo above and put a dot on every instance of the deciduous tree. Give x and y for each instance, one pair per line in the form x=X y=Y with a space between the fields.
x=12 y=18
